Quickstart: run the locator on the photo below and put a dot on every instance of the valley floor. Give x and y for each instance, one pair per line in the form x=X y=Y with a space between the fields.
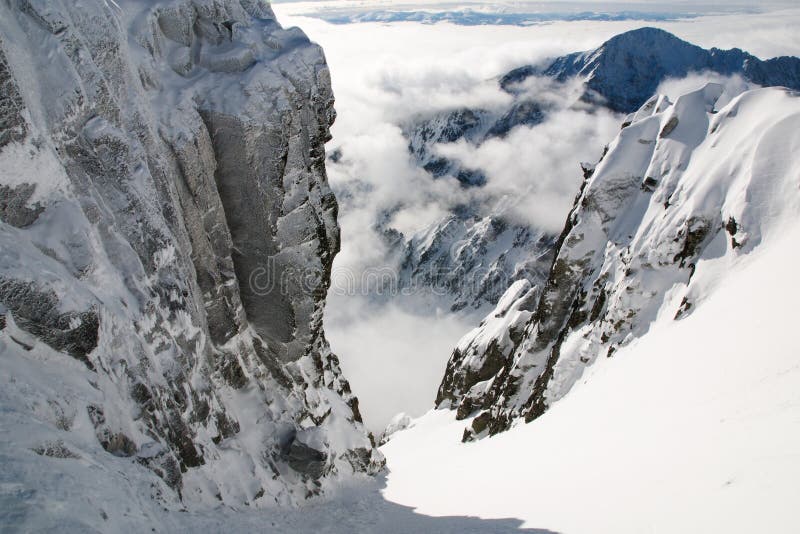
x=358 y=509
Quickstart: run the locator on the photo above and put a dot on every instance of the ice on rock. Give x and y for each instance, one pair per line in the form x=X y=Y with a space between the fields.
x=167 y=234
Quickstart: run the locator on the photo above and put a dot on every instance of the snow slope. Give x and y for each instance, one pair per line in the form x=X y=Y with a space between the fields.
x=695 y=427
x=706 y=177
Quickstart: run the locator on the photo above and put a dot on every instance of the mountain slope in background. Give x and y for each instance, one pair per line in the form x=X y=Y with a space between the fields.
x=625 y=71
x=620 y=75
x=470 y=261
x=682 y=184
x=474 y=126
x=161 y=165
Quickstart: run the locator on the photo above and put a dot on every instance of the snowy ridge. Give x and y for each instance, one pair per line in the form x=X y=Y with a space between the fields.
x=165 y=206
x=470 y=261
x=626 y=70
x=682 y=184
x=482 y=352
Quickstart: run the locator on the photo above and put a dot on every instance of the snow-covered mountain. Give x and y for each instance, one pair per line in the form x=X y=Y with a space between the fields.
x=474 y=126
x=620 y=75
x=471 y=256
x=626 y=70
x=472 y=261
x=705 y=178
x=167 y=237
x=692 y=428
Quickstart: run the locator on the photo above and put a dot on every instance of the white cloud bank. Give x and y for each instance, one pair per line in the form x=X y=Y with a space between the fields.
x=394 y=353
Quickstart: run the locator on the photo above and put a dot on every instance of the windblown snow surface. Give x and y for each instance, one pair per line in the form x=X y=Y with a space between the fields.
x=692 y=427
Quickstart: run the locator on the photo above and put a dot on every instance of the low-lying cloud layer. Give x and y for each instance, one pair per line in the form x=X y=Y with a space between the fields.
x=535 y=172
x=384 y=75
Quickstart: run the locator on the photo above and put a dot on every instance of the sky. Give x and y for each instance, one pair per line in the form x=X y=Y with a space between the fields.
x=387 y=74
x=520 y=5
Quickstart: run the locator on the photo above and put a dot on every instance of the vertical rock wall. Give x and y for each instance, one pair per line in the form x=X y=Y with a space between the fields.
x=167 y=225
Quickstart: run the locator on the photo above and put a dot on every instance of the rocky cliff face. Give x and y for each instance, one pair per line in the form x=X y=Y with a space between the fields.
x=167 y=237
x=696 y=180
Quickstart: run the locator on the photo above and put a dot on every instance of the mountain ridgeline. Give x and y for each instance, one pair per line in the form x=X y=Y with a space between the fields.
x=625 y=71
x=474 y=253
x=703 y=178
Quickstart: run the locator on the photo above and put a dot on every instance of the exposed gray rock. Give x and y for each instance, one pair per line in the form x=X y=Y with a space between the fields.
x=12 y=125
x=14 y=209
x=55 y=449
x=75 y=333
x=306 y=459
x=166 y=219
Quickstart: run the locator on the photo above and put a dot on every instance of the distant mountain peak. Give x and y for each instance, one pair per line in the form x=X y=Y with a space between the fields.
x=641 y=34
x=625 y=71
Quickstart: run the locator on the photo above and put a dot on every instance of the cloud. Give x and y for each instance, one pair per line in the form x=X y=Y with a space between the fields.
x=394 y=351
x=376 y=180
x=535 y=171
x=390 y=353
x=394 y=358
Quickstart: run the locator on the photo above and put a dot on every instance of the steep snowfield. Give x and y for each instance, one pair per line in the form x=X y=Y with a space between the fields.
x=706 y=177
x=693 y=428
